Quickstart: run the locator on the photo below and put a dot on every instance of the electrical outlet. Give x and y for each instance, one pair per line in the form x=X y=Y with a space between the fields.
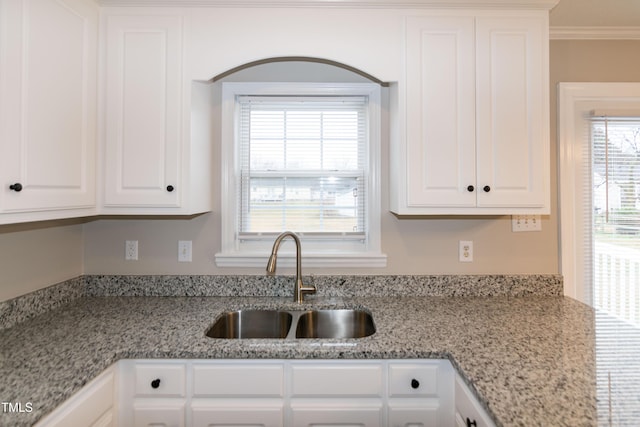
x=521 y=223
x=466 y=251
x=131 y=250
x=184 y=250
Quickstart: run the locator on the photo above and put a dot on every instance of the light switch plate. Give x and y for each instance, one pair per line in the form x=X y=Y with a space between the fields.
x=184 y=250
x=520 y=223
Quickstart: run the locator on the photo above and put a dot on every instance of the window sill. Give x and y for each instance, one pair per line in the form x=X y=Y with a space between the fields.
x=310 y=260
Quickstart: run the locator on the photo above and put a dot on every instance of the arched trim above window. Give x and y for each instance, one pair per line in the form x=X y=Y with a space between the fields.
x=299 y=59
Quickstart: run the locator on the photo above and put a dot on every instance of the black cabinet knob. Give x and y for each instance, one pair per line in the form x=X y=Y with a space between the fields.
x=170 y=188
x=415 y=383
x=17 y=187
x=486 y=188
x=471 y=423
x=471 y=188
x=155 y=383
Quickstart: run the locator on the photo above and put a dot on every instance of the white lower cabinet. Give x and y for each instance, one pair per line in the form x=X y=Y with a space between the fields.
x=92 y=406
x=469 y=413
x=296 y=393
x=273 y=393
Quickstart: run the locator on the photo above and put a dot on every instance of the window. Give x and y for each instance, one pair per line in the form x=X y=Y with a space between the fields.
x=302 y=165
x=302 y=158
x=599 y=150
x=615 y=200
x=599 y=146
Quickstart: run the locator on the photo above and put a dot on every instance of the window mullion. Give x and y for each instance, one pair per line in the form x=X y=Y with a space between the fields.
x=285 y=143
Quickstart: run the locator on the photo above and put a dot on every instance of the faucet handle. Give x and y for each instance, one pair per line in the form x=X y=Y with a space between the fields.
x=302 y=289
x=308 y=289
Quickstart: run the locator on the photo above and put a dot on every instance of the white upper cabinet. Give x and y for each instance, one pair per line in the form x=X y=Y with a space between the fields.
x=48 y=72
x=476 y=135
x=440 y=109
x=469 y=100
x=151 y=160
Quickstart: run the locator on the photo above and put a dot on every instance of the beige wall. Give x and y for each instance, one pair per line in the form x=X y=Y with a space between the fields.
x=603 y=13
x=34 y=256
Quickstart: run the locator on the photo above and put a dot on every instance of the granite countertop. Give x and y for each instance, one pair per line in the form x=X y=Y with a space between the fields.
x=530 y=359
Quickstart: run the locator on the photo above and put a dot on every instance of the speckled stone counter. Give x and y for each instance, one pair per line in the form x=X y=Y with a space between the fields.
x=529 y=359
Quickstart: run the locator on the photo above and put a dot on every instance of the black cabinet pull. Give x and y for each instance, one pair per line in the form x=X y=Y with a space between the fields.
x=486 y=188
x=155 y=383
x=471 y=423
x=415 y=383
x=471 y=188
x=17 y=187
x=170 y=188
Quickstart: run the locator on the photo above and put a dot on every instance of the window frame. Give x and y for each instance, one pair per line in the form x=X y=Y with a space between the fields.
x=321 y=252
x=575 y=100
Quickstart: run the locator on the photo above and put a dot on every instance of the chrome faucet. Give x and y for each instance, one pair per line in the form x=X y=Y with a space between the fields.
x=300 y=288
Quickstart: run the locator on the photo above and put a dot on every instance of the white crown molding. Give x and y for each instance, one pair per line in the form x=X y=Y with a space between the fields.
x=594 y=33
x=400 y=4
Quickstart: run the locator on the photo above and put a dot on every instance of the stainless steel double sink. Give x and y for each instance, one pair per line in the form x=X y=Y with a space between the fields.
x=290 y=324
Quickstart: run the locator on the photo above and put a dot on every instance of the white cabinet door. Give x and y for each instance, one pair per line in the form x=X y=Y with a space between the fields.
x=152 y=393
x=92 y=406
x=157 y=379
x=334 y=379
x=345 y=413
x=159 y=413
x=421 y=393
x=344 y=393
x=143 y=92
x=440 y=112
x=424 y=415
x=237 y=412
x=468 y=411
x=222 y=380
x=48 y=75
x=512 y=112
x=476 y=105
x=235 y=393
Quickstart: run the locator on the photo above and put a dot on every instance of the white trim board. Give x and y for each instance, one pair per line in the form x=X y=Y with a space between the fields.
x=594 y=33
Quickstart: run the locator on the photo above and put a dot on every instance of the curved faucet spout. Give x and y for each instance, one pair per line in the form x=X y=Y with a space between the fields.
x=300 y=288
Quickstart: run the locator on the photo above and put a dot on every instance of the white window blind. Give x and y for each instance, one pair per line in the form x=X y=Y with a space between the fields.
x=615 y=248
x=302 y=165
x=615 y=198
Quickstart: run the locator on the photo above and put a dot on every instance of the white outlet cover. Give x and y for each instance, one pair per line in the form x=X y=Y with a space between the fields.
x=131 y=250
x=465 y=251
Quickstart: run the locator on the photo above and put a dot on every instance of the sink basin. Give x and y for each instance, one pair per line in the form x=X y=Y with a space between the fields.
x=335 y=324
x=252 y=324
x=293 y=324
